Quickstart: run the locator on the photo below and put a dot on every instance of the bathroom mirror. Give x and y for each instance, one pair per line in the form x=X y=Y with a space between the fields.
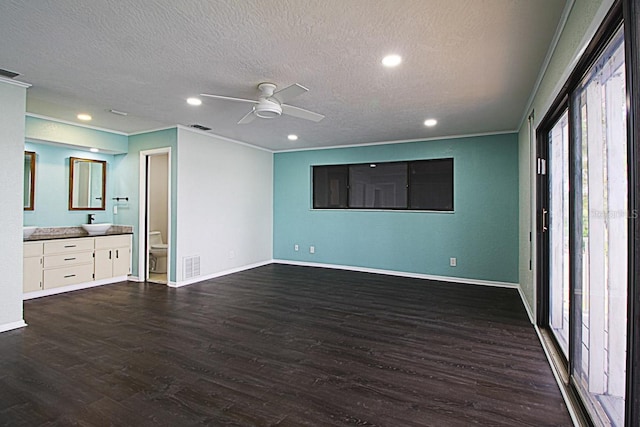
x=29 y=179
x=87 y=180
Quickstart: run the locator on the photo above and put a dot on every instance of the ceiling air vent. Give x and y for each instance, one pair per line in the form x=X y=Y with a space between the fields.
x=8 y=74
x=200 y=127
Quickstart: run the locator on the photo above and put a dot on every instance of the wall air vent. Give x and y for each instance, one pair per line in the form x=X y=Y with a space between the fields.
x=8 y=74
x=190 y=267
x=200 y=127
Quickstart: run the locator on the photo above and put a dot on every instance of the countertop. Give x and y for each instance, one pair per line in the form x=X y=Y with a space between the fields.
x=56 y=233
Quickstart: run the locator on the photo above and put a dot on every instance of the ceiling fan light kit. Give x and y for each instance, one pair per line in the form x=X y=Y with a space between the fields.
x=267 y=109
x=271 y=104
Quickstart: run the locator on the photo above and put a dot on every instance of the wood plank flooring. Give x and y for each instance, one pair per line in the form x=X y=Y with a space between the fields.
x=279 y=346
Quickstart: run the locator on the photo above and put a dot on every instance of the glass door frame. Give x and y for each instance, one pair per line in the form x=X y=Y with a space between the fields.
x=542 y=232
x=631 y=14
x=627 y=12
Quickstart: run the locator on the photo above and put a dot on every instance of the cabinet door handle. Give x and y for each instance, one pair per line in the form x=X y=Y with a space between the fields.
x=69 y=259
x=70 y=246
x=117 y=254
x=109 y=254
x=69 y=275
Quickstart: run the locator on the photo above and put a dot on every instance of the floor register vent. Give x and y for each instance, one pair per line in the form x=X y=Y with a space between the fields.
x=191 y=266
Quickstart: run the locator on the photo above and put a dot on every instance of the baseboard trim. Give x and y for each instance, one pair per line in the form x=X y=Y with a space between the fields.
x=218 y=274
x=532 y=318
x=70 y=288
x=13 y=325
x=462 y=280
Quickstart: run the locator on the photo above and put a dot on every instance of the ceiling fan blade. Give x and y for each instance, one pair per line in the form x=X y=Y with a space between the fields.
x=230 y=98
x=289 y=93
x=301 y=113
x=248 y=118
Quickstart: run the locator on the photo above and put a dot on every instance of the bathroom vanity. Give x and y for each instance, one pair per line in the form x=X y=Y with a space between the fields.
x=64 y=259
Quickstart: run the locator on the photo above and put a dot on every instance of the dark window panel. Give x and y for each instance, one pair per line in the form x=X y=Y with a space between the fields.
x=415 y=185
x=378 y=186
x=431 y=185
x=330 y=187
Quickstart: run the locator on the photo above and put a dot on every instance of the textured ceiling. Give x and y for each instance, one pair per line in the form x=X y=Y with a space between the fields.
x=471 y=64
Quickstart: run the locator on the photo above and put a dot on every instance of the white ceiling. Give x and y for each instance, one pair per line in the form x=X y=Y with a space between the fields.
x=471 y=64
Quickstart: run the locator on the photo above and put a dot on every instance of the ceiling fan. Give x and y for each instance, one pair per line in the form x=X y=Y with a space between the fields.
x=271 y=104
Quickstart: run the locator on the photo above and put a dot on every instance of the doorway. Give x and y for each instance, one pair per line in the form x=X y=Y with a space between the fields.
x=155 y=215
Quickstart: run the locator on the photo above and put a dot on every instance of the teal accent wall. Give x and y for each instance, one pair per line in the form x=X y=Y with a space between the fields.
x=52 y=187
x=482 y=233
x=127 y=182
x=37 y=129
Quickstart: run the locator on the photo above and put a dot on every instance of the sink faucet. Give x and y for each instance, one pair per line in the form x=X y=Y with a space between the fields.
x=92 y=217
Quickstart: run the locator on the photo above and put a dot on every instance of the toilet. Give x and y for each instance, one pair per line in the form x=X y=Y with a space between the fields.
x=157 y=253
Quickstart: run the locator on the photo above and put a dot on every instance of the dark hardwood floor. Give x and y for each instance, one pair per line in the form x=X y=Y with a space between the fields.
x=279 y=346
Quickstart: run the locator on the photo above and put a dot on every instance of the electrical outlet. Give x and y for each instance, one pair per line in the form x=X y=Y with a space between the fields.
x=232 y=254
x=312 y=249
x=296 y=247
x=453 y=262
x=115 y=210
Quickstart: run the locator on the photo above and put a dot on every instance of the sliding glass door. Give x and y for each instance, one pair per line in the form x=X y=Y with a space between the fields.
x=558 y=230
x=583 y=233
x=601 y=244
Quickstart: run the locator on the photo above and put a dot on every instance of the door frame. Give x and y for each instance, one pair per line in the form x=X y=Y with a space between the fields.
x=631 y=12
x=143 y=216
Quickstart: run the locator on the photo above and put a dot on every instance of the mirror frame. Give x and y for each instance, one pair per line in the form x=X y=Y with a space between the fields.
x=104 y=184
x=32 y=179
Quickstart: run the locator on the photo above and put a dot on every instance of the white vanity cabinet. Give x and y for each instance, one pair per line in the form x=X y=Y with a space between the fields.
x=67 y=262
x=113 y=256
x=83 y=262
x=32 y=267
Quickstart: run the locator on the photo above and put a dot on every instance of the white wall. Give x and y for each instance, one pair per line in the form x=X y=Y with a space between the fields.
x=12 y=109
x=225 y=203
x=582 y=22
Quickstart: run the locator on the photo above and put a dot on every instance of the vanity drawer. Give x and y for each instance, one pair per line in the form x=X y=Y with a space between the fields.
x=68 y=245
x=53 y=261
x=109 y=242
x=72 y=275
x=32 y=249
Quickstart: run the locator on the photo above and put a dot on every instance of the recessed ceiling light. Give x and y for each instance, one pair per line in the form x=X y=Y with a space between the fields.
x=194 y=101
x=430 y=122
x=293 y=137
x=93 y=150
x=372 y=165
x=83 y=116
x=391 y=60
